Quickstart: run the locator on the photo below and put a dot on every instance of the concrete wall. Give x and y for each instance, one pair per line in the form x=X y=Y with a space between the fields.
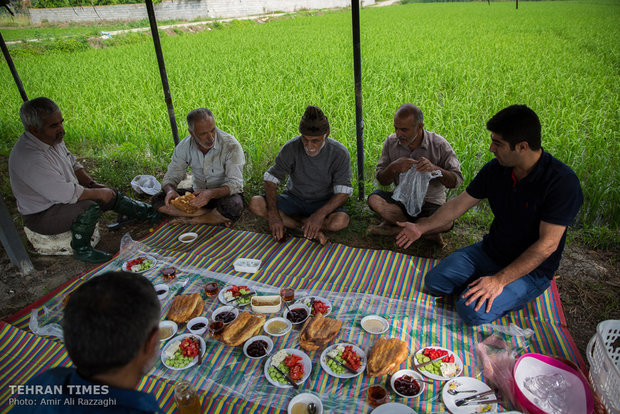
x=183 y=10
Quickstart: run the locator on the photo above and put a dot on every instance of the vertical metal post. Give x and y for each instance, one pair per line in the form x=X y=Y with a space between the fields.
x=357 y=72
x=162 y=70
x=18 y=81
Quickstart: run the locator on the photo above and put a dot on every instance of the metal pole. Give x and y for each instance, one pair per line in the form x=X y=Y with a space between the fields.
x=18 y=81
x=357 y=72
x=162 y=70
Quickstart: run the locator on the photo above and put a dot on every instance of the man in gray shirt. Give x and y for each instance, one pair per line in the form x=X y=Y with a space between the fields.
x=216 y=160
x=410 y=145
x=319 y=183
x=54 y=192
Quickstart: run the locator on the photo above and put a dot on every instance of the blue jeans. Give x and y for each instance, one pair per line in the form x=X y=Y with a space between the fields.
x=454 y=273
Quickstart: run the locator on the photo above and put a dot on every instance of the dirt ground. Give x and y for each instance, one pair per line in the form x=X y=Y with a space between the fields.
x=588 y=280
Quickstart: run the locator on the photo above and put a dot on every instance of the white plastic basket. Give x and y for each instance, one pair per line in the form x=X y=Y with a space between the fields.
x=603 y=354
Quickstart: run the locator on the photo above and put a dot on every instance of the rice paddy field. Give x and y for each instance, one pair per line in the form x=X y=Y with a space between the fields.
x=460 y=62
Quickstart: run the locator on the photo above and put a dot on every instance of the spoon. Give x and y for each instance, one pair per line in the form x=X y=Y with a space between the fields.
x=311 y=408
x=455 y=392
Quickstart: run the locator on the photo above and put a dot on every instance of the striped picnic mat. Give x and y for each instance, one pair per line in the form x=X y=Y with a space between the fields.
x=356 y=281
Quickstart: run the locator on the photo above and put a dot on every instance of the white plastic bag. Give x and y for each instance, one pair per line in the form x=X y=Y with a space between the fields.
x=412 y=187
x=52 y=329
x=146 y=184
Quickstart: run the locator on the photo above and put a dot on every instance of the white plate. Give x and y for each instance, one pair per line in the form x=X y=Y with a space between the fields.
x=306 y=301
x=416 y=376
x=226 y=288
x=424 y=372
x=466 y=383
x=384 y=321
x=151 y=258
x=288 y=328
x=203 y=349
x=188 y=237
x=347 y=374
x=306 y=398
x=306 y=362
x=393 y=408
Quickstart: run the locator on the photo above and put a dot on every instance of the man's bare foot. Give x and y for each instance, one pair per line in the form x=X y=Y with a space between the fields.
x=180 y=221
x=383 y=229
x=321 y=238
x=436 y=238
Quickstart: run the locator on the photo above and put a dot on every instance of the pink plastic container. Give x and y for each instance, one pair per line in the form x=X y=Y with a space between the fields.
x=579 y=400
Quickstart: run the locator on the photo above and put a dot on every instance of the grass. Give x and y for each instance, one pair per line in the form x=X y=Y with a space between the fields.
x=460 y=62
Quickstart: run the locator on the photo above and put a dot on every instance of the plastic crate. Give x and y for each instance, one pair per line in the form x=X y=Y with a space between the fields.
x=603 y=354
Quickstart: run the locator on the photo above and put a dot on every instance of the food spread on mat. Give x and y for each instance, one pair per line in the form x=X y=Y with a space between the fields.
x=346 y=355
x=316 y=305
x=445 y=367
x=182 y=203
x=289 y=364
x=182 y=352
x=237 y=291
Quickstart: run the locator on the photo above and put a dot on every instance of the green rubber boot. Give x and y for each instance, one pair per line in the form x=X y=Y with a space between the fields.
x=135 y=209
x=82 y=230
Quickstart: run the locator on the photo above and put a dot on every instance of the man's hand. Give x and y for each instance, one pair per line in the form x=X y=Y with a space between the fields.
x=202 y=198
x=170 y=195
x=275 y=224
x=401 y=165
x=487 y=288
x=105 y=194
x=424 y=165
x=410 y=233
x=313 y=225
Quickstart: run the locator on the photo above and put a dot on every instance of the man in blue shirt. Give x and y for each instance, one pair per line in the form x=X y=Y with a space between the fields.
x=533 y=196
x=111 y=332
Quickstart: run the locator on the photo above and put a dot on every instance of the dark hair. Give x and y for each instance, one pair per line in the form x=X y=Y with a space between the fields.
x=199 y=113
x=33 y=111
x=517 y=123
x=407 y=110
x=108 y=320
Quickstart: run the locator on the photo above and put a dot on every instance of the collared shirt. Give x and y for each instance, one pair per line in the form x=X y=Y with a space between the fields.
x=313 y=178
x=222 y=166
x=42 y=175
x=434 y=148
x=65 y=391
x=550 y=192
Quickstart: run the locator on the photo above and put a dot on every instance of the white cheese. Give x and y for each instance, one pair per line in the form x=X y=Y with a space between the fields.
x=448 y=369
x=172 y=349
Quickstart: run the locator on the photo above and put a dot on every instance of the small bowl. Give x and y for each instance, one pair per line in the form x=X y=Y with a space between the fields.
x=266 y=304
x=306 y=398
x=370 y=320
x=297 y=306
x=416 y=376
x=199 y=320
x=246 y=265
x=223 y=309
x=188 y=237
x=257 y=338
x=165 y=325
x=162 y=291
x=284 y=331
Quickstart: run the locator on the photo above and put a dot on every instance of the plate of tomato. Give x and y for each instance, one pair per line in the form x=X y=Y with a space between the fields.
x=350 y=355
x=319 y=304
x=448 y=367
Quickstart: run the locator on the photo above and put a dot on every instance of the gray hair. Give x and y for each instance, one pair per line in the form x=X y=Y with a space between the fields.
x=33 y=111
x=200 y=113
x=407 y=110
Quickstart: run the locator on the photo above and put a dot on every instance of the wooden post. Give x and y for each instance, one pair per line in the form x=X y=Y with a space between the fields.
x=357 y=73
x=9 y=61
x=162 y=70
x=12 y=242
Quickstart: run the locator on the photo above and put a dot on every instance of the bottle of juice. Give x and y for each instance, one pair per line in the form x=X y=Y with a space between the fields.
x=186 y=398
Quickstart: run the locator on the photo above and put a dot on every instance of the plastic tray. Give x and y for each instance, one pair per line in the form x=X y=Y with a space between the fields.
x=603 y=354
x=246 y=265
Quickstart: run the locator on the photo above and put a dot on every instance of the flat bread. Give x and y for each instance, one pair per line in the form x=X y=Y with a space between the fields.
x=243 y=328
x=385 y=356
x=182 y=203
x=185 y=307
x=318 y=331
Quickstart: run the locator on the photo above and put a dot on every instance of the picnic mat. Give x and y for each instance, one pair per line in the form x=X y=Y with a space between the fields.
x=357 y=282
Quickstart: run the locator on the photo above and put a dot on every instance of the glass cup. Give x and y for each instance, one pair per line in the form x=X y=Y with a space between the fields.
x=377 y=395
x=288 y=294
x=216 y=328
x=186 y=398
x=211 y=288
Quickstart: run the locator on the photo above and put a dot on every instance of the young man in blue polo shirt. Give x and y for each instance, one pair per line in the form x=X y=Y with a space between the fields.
x=533 y=196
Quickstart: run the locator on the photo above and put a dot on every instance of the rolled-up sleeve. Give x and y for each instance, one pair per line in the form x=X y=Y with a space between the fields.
x=342 y=174
x=178 y=165
x=235 y=160
x=451 y=163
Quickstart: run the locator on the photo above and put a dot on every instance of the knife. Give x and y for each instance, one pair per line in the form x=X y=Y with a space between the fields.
x=475 y=402
x=478 y=396
x=418 y=366
x=351 y=370
x=240 y=297
x=289 y=379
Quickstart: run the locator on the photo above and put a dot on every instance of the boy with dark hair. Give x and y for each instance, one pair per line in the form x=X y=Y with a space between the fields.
x=534 y=198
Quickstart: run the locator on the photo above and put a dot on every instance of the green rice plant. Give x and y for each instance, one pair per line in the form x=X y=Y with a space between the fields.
x=460 y=62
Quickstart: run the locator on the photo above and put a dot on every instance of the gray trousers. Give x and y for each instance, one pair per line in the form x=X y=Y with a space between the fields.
x=59 y=217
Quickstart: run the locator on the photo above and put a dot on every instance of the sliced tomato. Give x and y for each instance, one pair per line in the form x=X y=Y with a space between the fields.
x=296 y=371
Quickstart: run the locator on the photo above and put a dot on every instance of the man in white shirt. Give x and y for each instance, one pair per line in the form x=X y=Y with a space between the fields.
x=54 y=192
x=216 y=160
